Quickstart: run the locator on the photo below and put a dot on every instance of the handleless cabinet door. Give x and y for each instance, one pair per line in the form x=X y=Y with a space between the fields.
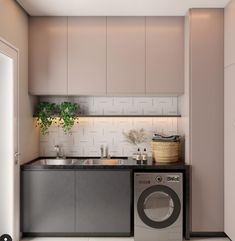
x=207 y=118
x=125 y=55
x=48 y=55
x=165 y=55
x=103 y=202
x=48 y=201
x=87 y=55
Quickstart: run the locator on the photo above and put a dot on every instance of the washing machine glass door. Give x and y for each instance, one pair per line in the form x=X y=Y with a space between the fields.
x=158 y=206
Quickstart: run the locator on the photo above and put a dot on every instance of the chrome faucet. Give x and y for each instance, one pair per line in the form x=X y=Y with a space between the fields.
x=107 y=155
x=57 y=149
x=102 y=151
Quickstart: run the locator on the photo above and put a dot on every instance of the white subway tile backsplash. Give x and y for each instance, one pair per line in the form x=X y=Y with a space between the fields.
x=90 y=133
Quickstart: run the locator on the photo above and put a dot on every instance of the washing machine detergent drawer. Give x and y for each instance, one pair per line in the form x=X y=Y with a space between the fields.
x=158 y=205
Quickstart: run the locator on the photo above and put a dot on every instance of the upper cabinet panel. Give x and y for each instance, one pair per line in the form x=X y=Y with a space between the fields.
x=87 y=55
x=165 y=55
x=126 y=55
x=48 y=55
x=106 y=56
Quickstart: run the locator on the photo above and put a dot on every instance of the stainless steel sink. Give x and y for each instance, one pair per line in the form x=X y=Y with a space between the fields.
x=103 y=162
x=57 y=161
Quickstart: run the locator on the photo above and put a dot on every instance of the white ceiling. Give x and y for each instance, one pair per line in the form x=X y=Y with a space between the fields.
x=116 y=7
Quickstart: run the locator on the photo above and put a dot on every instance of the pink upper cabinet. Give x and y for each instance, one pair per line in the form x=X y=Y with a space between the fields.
x=165 y=55
x=126 y=55
x=48 y=55
x=87 y=55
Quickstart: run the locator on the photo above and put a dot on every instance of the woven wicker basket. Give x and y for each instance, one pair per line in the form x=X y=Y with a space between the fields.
x=166 y=152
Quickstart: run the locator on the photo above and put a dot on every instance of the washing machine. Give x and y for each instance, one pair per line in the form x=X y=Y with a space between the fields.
x=158 y=207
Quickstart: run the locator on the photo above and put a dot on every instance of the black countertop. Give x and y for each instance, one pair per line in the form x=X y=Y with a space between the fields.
x=129 y=163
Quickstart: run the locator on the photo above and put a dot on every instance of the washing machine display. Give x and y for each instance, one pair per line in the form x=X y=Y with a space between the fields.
x=158 y=206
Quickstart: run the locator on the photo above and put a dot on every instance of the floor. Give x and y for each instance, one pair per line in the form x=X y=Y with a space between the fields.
x=111 y=239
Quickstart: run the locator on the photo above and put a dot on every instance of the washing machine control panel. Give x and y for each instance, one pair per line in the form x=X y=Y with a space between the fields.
x=158 y=179
x=169 y=178
x=173 y=178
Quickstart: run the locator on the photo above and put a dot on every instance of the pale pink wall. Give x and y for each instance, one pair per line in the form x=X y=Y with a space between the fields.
x=14 y=29
x=229 y=130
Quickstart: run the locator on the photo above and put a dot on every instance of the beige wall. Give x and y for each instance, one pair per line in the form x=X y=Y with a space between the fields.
x=229 y=120
x=14 y=29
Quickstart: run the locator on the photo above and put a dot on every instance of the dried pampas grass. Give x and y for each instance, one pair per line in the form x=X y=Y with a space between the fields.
x=135 y=137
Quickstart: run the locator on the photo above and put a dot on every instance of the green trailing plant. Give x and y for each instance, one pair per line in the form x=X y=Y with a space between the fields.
x=68 y=114
x=44 y=114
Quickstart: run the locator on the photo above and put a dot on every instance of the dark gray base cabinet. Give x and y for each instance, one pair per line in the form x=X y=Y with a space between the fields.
x=81 y=202
x=48 y=201
x=103 y=202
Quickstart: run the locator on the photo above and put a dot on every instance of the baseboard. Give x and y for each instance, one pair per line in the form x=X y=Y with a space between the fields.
x=74 y=234
x=208 y=234
x=228 y=237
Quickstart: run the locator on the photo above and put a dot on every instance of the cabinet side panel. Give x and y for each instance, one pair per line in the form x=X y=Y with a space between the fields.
x=229 y=113
x=229 y=155
x=229 y=34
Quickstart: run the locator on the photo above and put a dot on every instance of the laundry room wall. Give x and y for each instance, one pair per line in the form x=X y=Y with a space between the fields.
x=14 y=29
x=91 y=132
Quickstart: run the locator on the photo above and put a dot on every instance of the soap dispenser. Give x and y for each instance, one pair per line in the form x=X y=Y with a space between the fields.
x=138 y=156
x=144 y=156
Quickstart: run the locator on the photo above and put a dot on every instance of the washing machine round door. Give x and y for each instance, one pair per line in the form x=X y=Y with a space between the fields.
x=158 y=206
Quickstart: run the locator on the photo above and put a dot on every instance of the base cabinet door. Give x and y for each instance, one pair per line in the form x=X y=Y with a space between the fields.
x=48 y=201
x=103 y=202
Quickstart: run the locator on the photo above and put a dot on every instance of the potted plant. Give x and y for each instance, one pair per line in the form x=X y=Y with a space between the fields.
x=68 y=113
x=137 y=137
x=45 y=115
